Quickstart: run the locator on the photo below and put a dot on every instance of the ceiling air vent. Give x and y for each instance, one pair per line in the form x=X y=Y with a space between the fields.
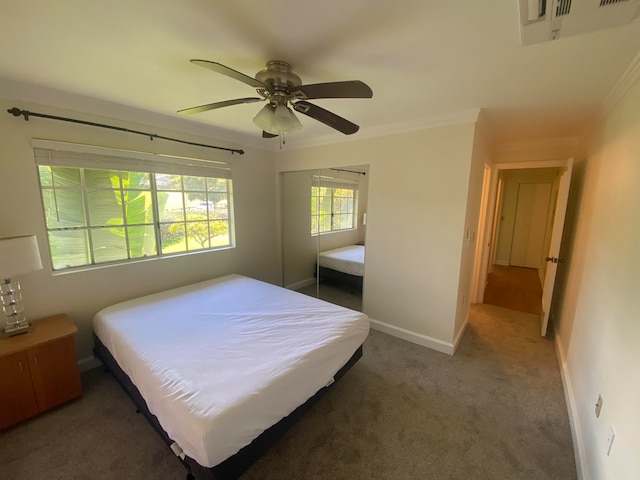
x=604 y=3
x=564 y=7
x=544 y=20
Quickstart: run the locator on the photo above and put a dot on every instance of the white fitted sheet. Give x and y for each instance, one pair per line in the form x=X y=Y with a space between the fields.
x=220 y=361
x=345 y=259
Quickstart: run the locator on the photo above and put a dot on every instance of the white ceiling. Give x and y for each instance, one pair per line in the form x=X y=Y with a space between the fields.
x=424 y=60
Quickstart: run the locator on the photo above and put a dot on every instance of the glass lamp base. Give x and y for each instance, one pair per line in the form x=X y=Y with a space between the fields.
x=16 y=329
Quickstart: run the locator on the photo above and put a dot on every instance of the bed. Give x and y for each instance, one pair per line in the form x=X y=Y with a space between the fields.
x=222 y=367
x=342 y=265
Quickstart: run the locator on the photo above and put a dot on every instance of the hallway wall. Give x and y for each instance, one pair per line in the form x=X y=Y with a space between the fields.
x=596 y=305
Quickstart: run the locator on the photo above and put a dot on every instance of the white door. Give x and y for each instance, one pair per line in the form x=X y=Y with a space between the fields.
x=554 y=247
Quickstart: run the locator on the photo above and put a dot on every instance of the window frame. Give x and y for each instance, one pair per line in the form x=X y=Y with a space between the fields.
x=332 y=184
x=84 y=158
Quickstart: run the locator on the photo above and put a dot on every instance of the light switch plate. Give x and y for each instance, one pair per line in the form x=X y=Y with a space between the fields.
x=598 y=406
x=612 y=435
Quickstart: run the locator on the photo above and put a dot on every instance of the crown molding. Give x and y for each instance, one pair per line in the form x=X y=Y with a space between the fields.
x=627 y=80
x=455 y=118
x=539 y=144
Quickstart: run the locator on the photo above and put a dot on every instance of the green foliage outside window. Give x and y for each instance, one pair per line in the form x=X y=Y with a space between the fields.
x=333 y=209
x=97 y=216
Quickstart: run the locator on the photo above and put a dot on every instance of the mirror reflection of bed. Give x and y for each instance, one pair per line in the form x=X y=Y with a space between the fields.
x=323 y=232
x=342 y=269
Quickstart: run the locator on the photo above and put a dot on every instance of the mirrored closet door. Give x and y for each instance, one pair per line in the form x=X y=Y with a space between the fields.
x=323 y=232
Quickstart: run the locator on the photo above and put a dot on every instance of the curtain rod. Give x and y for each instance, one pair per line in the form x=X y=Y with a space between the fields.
x=16 y=112
x=350 y=171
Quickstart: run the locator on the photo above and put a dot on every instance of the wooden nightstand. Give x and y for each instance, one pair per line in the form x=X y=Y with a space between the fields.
x=38 y=370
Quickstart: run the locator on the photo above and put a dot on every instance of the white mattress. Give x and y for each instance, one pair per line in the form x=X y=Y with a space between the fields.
x=219 y=362
x=345 y=259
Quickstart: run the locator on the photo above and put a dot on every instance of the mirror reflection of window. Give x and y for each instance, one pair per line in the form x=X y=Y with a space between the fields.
x=334 y=204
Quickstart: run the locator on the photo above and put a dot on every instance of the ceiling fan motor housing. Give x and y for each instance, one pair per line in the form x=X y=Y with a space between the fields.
x=278 y=75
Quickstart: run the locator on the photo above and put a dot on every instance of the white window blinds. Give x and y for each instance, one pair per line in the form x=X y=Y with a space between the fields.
x=64 y=154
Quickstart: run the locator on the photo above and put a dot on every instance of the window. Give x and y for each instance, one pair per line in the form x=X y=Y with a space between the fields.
x=96 y=214
x=334 y=205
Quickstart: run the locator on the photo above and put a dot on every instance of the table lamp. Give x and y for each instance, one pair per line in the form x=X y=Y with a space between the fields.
x=18 y=255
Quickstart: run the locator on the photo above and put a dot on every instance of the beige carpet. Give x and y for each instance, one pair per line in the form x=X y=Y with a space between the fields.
x=495 y=410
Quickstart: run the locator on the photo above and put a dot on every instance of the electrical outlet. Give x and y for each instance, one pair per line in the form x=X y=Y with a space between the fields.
x=610 y=437
x=598 y=406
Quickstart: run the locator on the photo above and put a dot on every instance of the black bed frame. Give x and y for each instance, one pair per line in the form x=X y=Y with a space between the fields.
x=234 y=466
x=341 y=278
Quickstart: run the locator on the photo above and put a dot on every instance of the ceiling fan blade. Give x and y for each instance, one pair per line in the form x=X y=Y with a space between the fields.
x=326 y=117
x=213 y=106
x=348 y=89
x=230 y=72
x=268 y=135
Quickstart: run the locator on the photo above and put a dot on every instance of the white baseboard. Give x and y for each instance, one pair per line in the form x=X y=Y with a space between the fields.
x=301 y=284
x=503 y=263
x=413 y=337
x=574 y=419
x=88 y=363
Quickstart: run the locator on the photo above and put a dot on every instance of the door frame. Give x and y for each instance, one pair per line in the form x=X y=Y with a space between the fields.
x=488 y=218
x=485 y=227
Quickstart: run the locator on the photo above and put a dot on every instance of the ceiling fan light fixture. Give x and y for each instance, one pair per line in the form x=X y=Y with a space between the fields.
x=295 y=123
x=284 y=120
x=264 y=119
x=278 y=120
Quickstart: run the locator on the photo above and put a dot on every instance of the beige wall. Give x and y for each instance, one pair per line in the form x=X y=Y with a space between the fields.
x=82 y=294
x=299 y=248
x=597 y=304
x=418 y=202
x=480 y=158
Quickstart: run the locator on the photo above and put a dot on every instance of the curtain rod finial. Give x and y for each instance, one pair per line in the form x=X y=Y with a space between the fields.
x=16 y=112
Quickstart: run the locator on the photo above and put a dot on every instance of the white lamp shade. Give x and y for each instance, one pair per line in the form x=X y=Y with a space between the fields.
x=295 y=123
x=277 y=121
x=19 y=255
x=284 y=120
x=264 y=119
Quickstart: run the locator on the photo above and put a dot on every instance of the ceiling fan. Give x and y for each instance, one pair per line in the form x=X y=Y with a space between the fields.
x=280 y=88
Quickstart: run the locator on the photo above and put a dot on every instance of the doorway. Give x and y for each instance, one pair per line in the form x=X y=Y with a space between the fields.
x=519 y=275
